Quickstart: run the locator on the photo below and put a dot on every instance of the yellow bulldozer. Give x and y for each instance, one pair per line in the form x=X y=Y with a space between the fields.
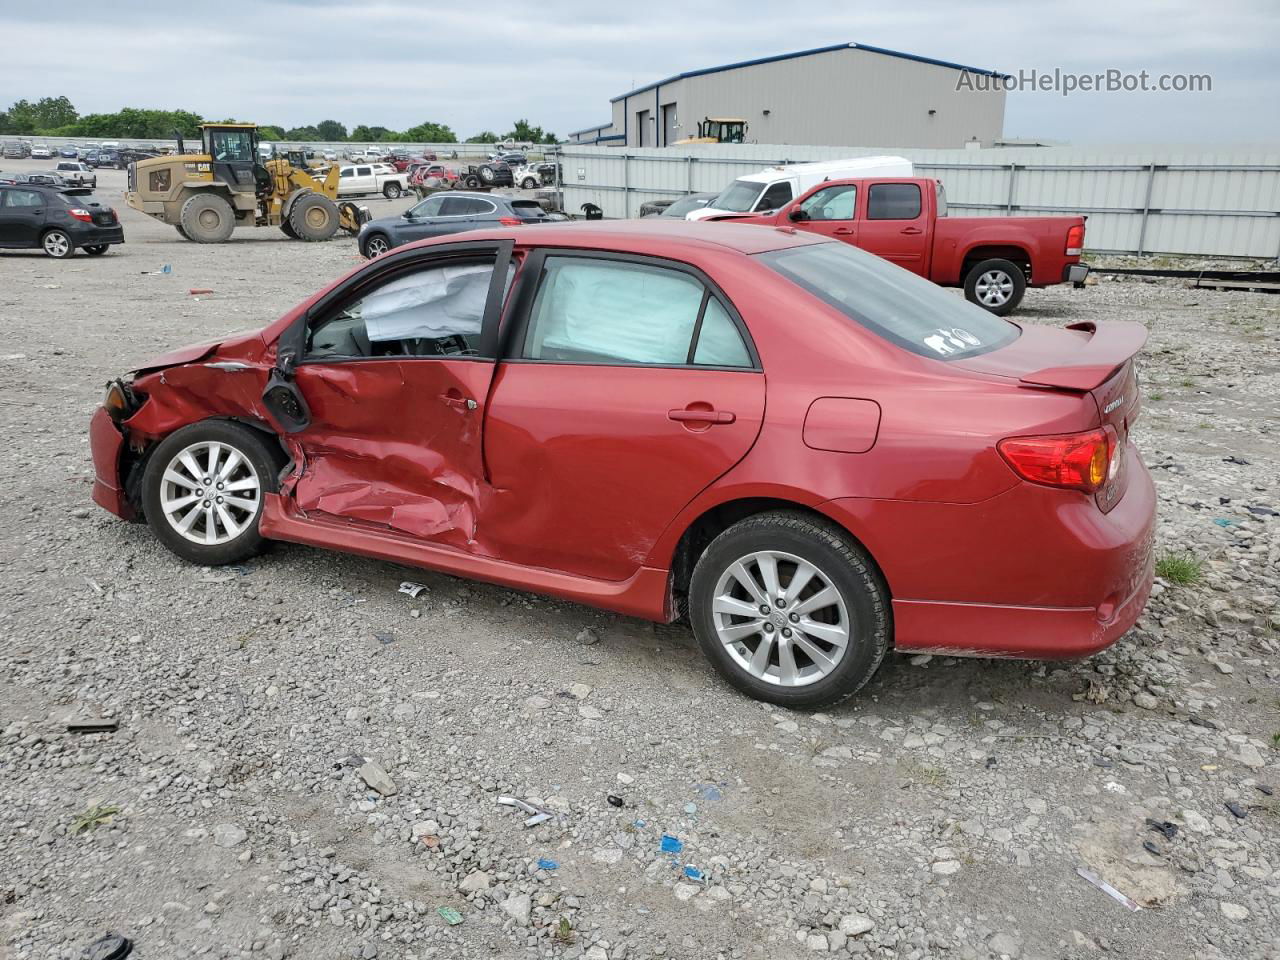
x=227 y=185
x=718 y=130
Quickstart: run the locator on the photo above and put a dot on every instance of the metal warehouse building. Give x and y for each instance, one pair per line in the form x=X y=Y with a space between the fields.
x=849 y=94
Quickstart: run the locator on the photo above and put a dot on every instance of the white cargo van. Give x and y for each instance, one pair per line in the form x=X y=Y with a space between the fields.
x=774 y=187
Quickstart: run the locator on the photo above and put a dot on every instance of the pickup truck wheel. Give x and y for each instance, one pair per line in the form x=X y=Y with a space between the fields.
x=207 y=218
x=391 y=191
x=488 y=174
x=995 y=285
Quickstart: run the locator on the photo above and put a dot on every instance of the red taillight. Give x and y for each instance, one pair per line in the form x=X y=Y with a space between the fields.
x=79 y=214
x=1076 y=461
x=1075 y=240
x=511 y=221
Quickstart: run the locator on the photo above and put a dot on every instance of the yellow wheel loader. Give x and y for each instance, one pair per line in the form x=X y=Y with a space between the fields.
x=207 y=195
x=718 y=130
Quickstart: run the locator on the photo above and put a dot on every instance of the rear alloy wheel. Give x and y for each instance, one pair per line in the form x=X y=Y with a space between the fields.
x=995 y=285
x=529 y=183
x=97 y=250
x=203 y=491
x=58 y=244
x=789 y=610
x=207 y=218
x=391 y=191
x=376 y=246
x=314 y=217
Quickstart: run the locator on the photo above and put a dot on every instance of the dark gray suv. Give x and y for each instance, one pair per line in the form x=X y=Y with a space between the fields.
x=441 y=213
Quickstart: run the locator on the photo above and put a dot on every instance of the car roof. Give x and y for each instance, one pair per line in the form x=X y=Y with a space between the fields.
x=648 y=236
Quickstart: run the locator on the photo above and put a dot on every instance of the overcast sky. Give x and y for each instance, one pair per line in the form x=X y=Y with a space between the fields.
x=557 y=62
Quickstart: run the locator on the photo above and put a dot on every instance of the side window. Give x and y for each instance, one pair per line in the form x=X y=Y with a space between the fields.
x=22 y=198
x=429 y=207
x=893 y=201
x=467 y=207
x=345 y=172
x=604 y=311
x=832 y=203
x=778 y=194
x=431 y=311
x=719 y=342
x=363 y=171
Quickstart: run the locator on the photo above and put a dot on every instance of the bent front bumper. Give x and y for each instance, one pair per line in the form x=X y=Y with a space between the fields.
x=106 y=443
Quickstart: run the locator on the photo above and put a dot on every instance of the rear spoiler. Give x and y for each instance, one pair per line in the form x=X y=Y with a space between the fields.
x=1110 y=346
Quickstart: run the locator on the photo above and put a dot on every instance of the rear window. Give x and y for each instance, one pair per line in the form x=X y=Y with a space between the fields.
x=896 y=304
x=527 y=209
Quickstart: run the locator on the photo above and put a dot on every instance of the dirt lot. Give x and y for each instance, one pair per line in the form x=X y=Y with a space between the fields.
x=943 y=813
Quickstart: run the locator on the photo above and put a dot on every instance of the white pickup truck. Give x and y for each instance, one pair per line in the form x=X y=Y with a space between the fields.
x=371 y=178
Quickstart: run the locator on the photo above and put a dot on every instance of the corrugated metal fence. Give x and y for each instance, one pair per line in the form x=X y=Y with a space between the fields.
x=1157 y=200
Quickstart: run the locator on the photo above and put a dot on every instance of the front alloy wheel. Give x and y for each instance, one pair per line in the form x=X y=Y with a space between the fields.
x=204 y=490
x=376 y=246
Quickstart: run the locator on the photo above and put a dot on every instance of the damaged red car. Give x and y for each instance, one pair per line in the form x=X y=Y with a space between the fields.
x=815 y=455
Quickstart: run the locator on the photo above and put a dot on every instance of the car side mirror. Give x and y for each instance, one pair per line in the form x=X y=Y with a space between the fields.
x=797 y=215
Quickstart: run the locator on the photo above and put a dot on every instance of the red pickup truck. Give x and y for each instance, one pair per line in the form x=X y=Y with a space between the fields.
x=905 y=220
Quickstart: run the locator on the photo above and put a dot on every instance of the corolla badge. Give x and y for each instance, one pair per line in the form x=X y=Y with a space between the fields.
x=1118 y=401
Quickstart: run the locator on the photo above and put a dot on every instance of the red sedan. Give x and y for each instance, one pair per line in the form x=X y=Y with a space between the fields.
x=814 y=453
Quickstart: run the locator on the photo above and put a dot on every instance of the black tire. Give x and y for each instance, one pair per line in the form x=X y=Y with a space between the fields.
x=97 y=250
x=207 y=218
x=391 y=190
x=182 y=233
x=529 y=183
x=58 y=244
x=251 y=446
x=996 y=286
x=840 y=561
x=314 y=217
x=472 y=182
x=287 y=229
x=488 y=174
x=376 y=244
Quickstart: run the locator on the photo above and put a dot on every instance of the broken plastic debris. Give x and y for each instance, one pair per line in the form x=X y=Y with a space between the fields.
x=1237 y=811
x=167 y=268
x=513 y=802
x=199 y=291
x=709 y=791
x=614 y=801
x=411 y=588
x=1165 y=827
x=1151 y=848
x=1239 y=461
x=450 y=916
x=384 y=638
x=693 y=873
x=671 y=844
x=1107 y=888
x=690 y=808
x=545 y=864
x=537 y=819
x=92 y=725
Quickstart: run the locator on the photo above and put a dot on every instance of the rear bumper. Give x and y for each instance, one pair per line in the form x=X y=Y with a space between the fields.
x=105 y=444
x=1075 y=273
x=92 y=236
x=1032 y=573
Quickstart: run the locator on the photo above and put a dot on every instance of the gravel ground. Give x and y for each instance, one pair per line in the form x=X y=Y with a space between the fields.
x=308 y=763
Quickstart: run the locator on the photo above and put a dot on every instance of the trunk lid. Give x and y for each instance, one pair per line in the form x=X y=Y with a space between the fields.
x=1086 y=358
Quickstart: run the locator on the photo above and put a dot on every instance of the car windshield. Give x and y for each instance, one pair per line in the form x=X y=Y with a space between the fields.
x=739 y=197
x=896 y=304
x=683 y=206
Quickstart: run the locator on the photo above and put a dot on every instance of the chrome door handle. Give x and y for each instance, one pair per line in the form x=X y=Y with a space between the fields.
x=465 y=403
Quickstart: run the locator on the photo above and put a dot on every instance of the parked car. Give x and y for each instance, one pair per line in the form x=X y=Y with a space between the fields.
x=109 y=157
x=774 y=187
x=42 y=178
x=15 y=150
x=510 y=158
x=492 y=174
x=424 y=171
x=530 y=176
x=69 y=150
x=90 y=157
x=34 y=216
x=675 y=209
x=77 y=173
x=41 y=151
x=331 y=155
x=905 y=221
x=819 y=455
x=371 y=178
x=445 y=213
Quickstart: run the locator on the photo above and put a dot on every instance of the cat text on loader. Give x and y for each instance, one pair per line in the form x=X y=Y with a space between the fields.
x=207 y=195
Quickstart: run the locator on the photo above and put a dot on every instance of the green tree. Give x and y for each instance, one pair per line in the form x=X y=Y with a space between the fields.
x=331 y=130
x=52 y=112
x=526 y=132
x=373 y=134
x=22 y=118
x=137 y=123
x=302 y=133
x=270 y=132
x=484 y=136
x=428 y=132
